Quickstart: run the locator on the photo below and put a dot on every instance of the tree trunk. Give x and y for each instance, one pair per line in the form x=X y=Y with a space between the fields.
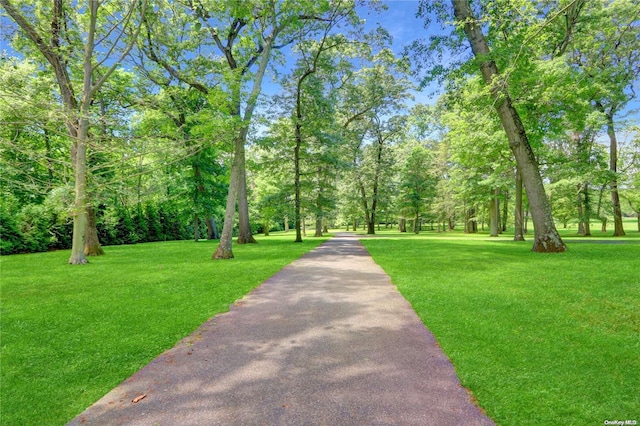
x=470 y=222
x=416 y=223
x=618 y=230
x=92 y=245
x=402 y=225
x=318 y=227
x=546 y=237
x=225 y=249
x=244 y=227
x=505 y=212
x=196 y=228
x=238 y=183
x=371 y=225
x=581 y=229
x=518 y=234
x=493 y=215
x=369 y=217
x=80 y=203
x=376 y=178
x=296 y=180
x=587 y=210
x=286 y=223
x=212 y=229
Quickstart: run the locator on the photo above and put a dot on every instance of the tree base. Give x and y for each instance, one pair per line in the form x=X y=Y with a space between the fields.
x=548 y=245
x=222 y=253
x=94 y=252
x=246 y=239
x=78 y=260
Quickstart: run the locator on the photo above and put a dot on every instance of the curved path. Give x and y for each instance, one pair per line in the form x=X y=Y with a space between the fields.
x=328 y=340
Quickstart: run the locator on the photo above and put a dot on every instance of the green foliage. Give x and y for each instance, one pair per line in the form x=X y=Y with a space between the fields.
x=559 y=347
x=10 y=236
x=69 y=336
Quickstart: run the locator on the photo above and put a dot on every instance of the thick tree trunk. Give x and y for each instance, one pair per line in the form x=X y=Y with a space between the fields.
x=244 y=227
x=286 y=223
x=92 y=246
x=546 y=237
x=470 y=222
x=518 y=234
x=80 y=204
x=402 y=225
x=318 y=232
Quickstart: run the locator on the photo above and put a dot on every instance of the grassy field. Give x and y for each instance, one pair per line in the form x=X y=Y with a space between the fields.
x=72 y=333
x=538 y=339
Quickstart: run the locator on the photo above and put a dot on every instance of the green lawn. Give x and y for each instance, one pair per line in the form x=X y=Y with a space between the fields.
x=539 y=339
x=72 y=333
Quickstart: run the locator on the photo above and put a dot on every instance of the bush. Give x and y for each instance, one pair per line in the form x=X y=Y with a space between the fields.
x=154 y=224
x=10 y=237
x=34 y=224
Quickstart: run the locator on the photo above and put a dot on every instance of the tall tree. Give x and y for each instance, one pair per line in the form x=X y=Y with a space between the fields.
x=607 y=51
x=417 y=184
x=546 y=238
x=271 y=26
x=59 y=31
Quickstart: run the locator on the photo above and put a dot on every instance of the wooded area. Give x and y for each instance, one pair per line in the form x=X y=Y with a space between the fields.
x=147 y=120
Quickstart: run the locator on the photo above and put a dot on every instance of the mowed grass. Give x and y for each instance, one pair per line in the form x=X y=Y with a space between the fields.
x=539 y=339
x=72 y=333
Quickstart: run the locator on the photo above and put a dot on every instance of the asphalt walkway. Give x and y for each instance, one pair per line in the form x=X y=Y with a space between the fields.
x=328 y=340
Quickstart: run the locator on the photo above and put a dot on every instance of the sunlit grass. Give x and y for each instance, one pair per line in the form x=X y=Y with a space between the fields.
x=71 y=333
x=538 y=339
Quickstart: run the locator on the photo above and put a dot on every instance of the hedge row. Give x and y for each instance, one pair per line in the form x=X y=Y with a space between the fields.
x=37 y=227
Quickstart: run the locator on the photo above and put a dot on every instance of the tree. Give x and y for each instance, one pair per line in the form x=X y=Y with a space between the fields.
x=417 y=187
x=609 y=58
x=272 y=25
x=546 y=238
x=66 y=27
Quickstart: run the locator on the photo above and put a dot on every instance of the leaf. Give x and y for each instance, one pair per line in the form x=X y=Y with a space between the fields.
x=139 y=398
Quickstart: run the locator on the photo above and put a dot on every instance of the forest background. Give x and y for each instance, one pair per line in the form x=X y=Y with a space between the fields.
x=132 y=121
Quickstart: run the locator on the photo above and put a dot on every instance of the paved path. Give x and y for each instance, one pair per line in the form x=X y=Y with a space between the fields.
x=328 y=340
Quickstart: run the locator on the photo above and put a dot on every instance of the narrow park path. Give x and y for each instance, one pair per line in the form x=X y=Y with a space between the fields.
x=328 y=340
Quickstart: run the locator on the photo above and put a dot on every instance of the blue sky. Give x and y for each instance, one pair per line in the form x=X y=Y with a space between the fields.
x=401 y=23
